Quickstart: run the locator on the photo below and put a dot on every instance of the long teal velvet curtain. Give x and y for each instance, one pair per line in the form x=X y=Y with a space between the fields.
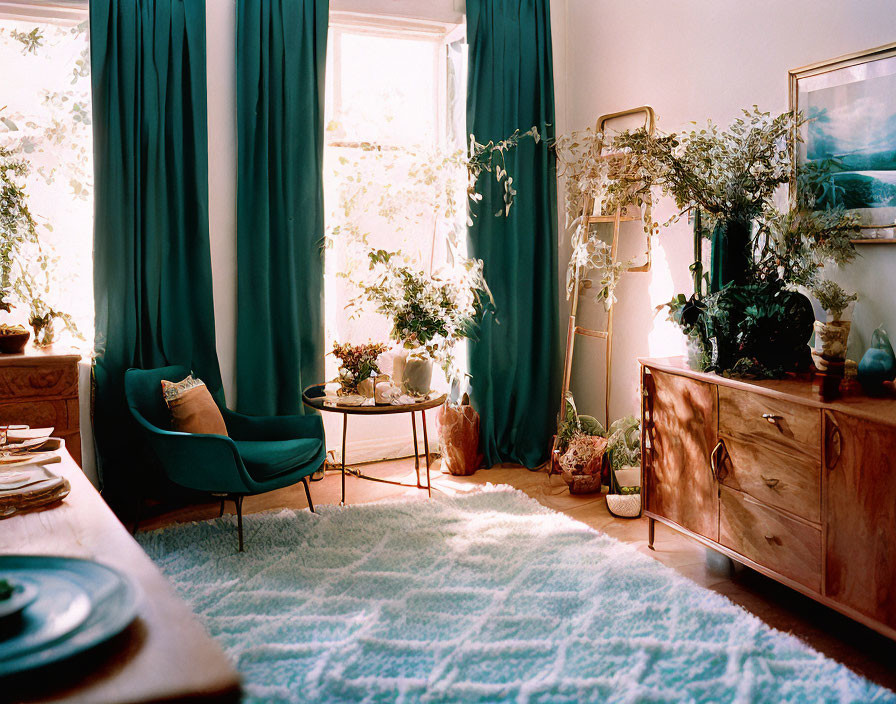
x=281 y=49
x=514 y=363
x=152 y=269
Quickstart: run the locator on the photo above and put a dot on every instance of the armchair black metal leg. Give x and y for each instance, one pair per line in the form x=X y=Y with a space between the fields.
x=222 y=507
x=308 y=494
x=238 y=500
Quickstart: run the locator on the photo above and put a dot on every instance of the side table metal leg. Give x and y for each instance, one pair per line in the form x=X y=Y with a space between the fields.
x=651 y=532
x=416 y=450
x=426 y=450
x=344 y=430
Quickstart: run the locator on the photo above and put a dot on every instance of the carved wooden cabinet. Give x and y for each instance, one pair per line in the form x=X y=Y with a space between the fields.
x=768 y=474
x=40 y=388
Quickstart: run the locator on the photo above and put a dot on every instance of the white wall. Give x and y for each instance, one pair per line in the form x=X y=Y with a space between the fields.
x=220 y=19
x=694 y=60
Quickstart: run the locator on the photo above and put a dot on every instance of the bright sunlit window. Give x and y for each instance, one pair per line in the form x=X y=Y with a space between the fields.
x=395 y=127
x=45 y=117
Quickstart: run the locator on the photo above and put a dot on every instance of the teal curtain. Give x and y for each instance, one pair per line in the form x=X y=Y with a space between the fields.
x=281 y=51
x=514 y=363
x=152 y=269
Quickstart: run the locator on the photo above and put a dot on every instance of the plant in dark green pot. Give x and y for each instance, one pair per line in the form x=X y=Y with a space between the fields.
x=729 y=175
x=753 y=320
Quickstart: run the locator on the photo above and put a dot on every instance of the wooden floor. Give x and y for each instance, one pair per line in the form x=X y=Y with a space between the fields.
x=857 y=647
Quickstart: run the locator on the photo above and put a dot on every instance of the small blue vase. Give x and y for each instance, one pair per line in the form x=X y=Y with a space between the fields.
x=878 y=363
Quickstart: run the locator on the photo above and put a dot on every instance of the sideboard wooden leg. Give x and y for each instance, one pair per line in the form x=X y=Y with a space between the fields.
x=651 y=532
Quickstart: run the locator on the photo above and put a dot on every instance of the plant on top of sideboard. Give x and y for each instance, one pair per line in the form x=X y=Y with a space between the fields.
x=752 y=321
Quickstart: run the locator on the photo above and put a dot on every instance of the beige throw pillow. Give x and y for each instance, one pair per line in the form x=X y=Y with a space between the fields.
x=193 y=410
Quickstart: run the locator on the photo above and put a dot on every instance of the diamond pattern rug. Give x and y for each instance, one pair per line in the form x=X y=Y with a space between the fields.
x=487 y=597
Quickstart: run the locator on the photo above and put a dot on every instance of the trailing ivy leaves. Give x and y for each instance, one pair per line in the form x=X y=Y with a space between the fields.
x=491 y=157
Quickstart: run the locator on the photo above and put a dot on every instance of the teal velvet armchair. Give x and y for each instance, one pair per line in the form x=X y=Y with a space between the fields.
x=261 y=454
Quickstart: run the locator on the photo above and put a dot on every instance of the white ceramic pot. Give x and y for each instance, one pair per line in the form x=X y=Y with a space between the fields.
x=628 y=476
x=417 y=376
x=831 y=338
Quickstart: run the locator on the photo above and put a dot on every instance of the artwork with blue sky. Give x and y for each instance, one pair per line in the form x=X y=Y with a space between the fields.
x=852 y=131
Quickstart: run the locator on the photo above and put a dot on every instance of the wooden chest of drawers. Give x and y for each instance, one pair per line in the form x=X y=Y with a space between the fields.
x=40 y=388
x=766 y=473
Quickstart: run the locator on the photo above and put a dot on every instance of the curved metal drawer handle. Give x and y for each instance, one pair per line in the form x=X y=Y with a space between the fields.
x=770 y=482
x=712 y=460
x=771 y=418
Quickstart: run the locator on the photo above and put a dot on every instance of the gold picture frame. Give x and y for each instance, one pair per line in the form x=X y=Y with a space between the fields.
x=840 y=90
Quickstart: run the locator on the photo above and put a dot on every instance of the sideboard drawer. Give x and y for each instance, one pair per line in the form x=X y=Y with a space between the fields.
x=29 y=381
x=788 y=482
x=37 y=414
x=770 y=538
x=786 y=427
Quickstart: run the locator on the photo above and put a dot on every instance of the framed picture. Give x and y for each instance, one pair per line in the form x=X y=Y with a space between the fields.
x=850 y=136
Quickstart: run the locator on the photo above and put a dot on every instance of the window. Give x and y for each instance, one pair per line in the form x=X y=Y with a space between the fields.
x=47 y=120
x=395 y=124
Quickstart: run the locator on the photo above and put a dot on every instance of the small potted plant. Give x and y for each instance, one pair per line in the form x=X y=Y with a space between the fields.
x=624 y=446
x=832 y=335
x=583 y=462
x=358 y=367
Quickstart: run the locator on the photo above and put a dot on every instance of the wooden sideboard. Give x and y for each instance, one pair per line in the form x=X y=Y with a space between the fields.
x=768 y=474
x=39 y=387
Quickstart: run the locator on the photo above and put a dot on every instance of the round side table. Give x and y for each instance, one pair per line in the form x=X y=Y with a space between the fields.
x=313 y=397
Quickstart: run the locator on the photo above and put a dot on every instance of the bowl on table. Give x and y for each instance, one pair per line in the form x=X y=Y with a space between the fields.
x=13 y=339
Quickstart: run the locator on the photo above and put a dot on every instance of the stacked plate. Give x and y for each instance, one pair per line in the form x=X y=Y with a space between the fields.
x=59 y=607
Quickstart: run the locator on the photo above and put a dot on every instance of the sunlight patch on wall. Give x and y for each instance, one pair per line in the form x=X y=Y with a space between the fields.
x=664 y=338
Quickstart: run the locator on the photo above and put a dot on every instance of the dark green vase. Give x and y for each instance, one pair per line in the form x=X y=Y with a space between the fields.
x=730 y=253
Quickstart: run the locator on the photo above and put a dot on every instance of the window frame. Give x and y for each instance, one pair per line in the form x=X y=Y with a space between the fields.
x=441 y=34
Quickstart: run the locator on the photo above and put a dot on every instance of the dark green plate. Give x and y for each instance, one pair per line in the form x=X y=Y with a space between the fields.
x=79 y=604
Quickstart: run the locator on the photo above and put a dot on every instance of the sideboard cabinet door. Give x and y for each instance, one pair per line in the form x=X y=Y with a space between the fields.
x=860 y=463
x=683 y=430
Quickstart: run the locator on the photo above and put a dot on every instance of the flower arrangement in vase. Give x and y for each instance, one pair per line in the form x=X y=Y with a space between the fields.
x=358 y=367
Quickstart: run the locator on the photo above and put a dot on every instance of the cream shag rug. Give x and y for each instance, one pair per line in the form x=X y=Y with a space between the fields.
x=486 y=597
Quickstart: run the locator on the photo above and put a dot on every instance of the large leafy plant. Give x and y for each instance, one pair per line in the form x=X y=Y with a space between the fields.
x=429 y=313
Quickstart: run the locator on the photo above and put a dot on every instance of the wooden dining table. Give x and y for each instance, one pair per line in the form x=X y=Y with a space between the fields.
x=164 y=655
